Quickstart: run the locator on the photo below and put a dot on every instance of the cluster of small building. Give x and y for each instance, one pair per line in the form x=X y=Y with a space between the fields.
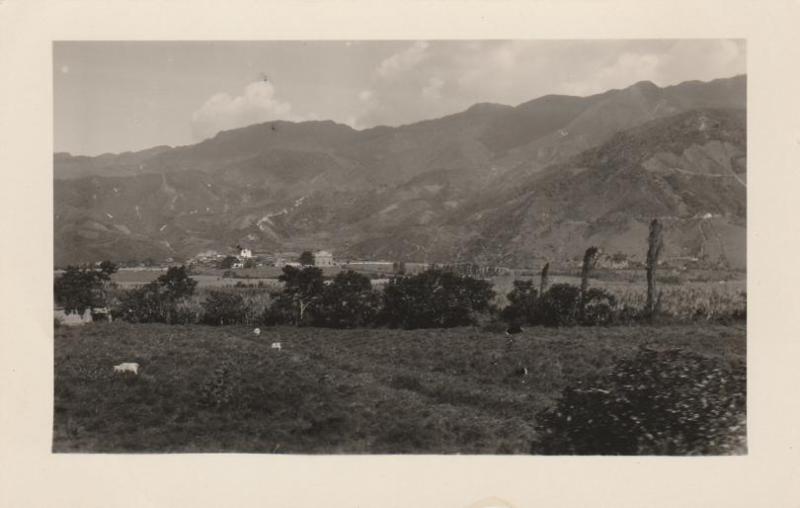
x=247 y=257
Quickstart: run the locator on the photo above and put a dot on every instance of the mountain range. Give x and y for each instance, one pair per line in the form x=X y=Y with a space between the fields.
x=493 y=184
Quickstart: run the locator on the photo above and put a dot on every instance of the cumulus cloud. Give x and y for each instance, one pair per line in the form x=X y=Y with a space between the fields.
x=625 y=70
x=257 y=103
x=412 y=81
x=404 y=60
x=663 y=62
x=400 y=86
x=427 y=80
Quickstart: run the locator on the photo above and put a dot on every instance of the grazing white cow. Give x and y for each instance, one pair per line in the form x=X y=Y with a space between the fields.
x=257 y=331
x=276 y=345
x=127 y=367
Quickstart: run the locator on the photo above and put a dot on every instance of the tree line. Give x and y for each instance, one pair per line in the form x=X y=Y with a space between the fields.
x=434 y=298
x=438 y=297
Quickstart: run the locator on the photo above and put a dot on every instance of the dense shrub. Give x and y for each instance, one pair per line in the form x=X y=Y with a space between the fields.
x=282 y=310
x=158 y=301
x=302 y=289
x=434 y=299
x=176 y=283
x=599 y=307
x=223 y=308
x=83 y=287
x=558 y=306
x=188 y=311
x=255 y=303
x=657 y=402
x=143 y=305
x=522 y=303
x=347 y=302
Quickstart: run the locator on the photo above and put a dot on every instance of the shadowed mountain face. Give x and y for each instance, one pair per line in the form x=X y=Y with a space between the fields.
x=493 y=183
x=688 y=170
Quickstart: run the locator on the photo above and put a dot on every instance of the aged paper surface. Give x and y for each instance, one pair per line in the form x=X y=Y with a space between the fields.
x=30 y=475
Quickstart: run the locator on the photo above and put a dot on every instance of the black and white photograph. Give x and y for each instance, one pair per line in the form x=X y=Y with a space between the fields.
x=417 y=247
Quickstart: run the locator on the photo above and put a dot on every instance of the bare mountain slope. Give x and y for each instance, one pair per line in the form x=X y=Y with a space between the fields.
x=688 y=169
x=493 y=183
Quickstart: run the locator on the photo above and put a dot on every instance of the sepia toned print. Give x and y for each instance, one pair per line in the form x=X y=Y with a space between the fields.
x=472 y=247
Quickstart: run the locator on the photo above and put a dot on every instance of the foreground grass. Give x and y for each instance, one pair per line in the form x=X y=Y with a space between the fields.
x=204 y=389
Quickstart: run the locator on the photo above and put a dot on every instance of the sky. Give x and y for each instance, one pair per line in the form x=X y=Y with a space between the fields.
x=127 y=96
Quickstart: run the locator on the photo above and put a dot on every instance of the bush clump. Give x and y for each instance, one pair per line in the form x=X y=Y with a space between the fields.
x=347 y=302
x=434 y=299
x=558 y=306
x=83 y=287
x=223 y=308
x=655 y=403
x=282 y=310
x=522 y=303
x=159 y=301
x=599 y=307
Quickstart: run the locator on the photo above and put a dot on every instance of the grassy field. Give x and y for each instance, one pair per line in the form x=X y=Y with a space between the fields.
x=204 y=389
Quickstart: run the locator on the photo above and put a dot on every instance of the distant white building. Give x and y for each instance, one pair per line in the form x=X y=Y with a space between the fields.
x=323 y=258
x=246 y=254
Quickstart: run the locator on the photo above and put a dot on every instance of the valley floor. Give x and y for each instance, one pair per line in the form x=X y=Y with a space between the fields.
x=206 y=389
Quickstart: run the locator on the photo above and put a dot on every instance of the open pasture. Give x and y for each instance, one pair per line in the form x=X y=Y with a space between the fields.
x=223 y=389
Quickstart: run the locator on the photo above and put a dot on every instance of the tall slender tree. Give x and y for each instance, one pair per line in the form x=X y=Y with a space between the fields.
x=653 y=251
x=545 y=279
x=589 y=260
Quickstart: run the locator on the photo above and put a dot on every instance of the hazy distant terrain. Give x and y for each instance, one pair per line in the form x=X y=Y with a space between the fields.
x=492 y=184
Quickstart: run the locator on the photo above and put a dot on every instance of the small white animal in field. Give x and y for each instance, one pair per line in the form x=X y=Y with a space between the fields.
x=257 y=331
x=276 y=345
x=127 y=367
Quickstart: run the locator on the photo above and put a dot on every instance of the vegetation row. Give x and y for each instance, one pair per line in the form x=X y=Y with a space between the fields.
x=434 y=298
